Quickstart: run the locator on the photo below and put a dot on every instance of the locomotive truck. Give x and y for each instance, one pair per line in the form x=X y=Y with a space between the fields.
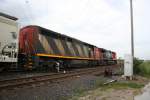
x=35 y=47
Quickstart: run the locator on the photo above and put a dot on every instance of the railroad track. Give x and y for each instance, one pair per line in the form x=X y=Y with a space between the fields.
x=5 y=84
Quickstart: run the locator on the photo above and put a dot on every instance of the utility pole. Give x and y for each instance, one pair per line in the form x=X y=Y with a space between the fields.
x=129 y=58
x=132 y=32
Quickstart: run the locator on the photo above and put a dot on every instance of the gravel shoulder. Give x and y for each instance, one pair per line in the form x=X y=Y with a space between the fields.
x=53 y=91
x=85 y=87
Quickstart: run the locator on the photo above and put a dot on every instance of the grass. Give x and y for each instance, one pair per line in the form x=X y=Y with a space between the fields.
x=78 y=92
x=119 y=85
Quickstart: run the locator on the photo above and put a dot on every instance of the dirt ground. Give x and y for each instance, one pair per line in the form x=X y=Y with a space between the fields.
x=114 y=93
x=110 y=94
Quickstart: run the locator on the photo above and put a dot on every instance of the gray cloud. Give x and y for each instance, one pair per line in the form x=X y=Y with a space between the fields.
x=105 y=23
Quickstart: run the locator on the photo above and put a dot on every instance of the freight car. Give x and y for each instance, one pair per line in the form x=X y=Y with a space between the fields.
x=40 y=47
x=8 y=41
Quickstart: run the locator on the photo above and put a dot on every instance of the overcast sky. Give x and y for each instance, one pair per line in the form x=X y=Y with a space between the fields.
x=104 y=23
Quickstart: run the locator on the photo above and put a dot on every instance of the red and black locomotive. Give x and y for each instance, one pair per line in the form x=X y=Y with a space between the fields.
x=40 y=47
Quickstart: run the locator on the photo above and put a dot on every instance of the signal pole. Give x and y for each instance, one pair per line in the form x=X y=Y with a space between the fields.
x=132 y=32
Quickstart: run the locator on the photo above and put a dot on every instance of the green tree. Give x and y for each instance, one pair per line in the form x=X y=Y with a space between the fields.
x=136 y=64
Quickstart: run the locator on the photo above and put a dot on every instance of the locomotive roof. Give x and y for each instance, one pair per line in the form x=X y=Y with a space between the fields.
x=63 y=35
x=8 y=16
x=66 y=36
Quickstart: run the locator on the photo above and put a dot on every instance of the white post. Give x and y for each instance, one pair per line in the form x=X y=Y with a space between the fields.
x=128 y=68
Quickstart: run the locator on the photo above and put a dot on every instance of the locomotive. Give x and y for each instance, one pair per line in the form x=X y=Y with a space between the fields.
x=40 y=47
x=35 y=47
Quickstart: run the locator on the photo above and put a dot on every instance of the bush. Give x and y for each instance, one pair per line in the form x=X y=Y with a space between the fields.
x=145 y=68
x=141 y=67
x=136 y=64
